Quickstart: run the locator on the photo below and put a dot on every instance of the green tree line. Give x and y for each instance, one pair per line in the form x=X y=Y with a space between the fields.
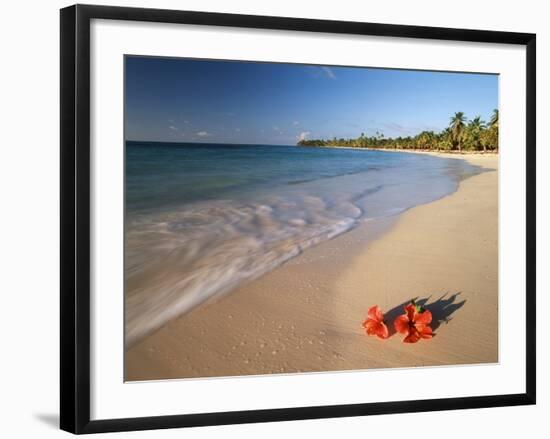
x=461 y=135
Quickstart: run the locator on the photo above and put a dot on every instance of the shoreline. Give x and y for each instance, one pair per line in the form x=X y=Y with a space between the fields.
x=437 y=152
x=319 y=328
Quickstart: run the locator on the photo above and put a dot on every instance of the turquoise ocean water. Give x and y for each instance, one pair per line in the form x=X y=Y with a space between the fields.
x=200 y=219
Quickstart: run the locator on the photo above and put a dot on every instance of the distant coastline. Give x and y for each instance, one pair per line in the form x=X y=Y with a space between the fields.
x=461 y=135
x=417 y=151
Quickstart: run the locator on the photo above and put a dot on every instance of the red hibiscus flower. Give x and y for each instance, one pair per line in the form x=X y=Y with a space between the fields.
x=415 y=323
x=374 y=324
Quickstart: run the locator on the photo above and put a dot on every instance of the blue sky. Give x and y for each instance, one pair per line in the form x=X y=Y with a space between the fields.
x=185 y=100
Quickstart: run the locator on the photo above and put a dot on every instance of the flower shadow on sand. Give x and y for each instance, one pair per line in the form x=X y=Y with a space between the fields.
x=442 y=310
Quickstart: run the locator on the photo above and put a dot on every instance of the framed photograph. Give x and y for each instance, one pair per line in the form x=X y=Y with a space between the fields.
x=274 y=218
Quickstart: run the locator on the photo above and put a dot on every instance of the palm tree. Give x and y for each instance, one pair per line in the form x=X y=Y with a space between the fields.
x=457 y=124
x=492 y=133
x=425 y=140
x=473 y=132
x=494 y=119
x=461 y=134
x=478 y=123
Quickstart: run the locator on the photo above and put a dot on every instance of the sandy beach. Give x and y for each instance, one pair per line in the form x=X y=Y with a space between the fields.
x=306 y=315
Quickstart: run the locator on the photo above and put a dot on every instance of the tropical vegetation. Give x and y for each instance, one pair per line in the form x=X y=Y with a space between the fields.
x=461 y=135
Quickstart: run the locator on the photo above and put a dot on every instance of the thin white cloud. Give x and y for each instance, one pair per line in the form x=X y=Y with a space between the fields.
x=173 y=128
x=203 y=134
x=185 y=121
x=328 y=72
x=321 y=72
x=295 y=123
x=395 y=129
x=238 y=130
x=303 y=135
x=276 y=128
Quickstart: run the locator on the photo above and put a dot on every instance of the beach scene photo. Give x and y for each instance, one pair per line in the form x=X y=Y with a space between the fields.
x=294 y=218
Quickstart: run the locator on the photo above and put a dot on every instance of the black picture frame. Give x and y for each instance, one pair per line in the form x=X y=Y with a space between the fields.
x=75 y=217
